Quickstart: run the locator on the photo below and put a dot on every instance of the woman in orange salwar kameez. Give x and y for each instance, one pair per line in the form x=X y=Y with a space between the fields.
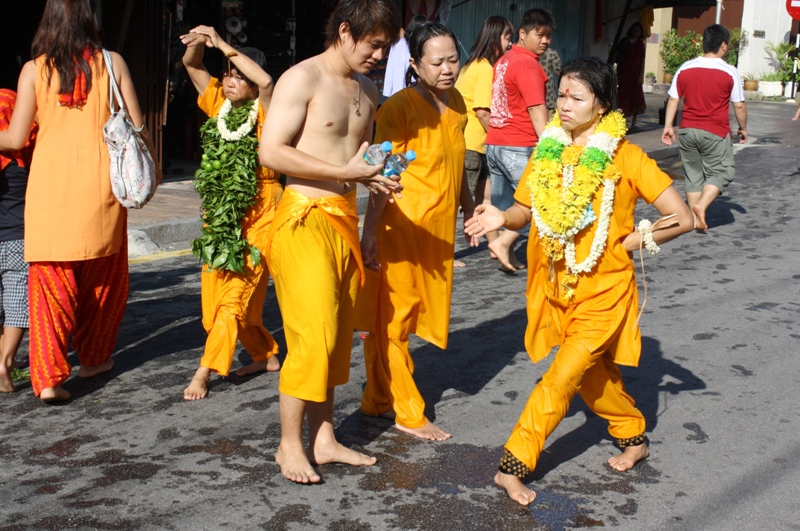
x=409 y=243
x=75 y=230
x=580 y=190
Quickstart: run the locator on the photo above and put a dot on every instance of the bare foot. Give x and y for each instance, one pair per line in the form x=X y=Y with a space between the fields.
x=500 y=252
x=6 y=385
x=459 y=263
x=295 y=465
x=270 y=365
x=336 y=453
x=88 y=371
x=700 y=218
x=198 y=386
x=514 y=262
x=429 y=432
x=54 y=394
x=516 y=490
x=629 y=457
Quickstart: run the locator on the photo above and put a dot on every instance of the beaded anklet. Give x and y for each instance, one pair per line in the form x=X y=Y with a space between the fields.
x=512 y=466
x=633 y=441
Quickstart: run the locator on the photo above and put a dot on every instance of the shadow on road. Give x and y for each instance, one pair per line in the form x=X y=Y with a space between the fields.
x=473 y=358
x=655 y=376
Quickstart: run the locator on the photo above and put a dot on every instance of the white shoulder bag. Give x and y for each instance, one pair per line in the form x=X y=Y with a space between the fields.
x=133 y=170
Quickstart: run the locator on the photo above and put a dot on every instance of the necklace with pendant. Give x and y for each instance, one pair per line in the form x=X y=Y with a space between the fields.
x=356 y=100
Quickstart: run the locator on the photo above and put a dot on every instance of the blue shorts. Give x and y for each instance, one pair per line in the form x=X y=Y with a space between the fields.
x=506 y=164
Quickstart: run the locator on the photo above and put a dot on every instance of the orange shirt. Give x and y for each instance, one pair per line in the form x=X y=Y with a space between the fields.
x=70 y=212
x=416 y=236
x=606 y=298
x=210 y=102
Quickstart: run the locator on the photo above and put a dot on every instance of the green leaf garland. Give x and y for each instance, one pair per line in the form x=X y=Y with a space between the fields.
x=227 y=184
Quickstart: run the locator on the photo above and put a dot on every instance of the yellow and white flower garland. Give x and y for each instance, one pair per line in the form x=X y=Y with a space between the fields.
x=243 y=129
x=563 y=182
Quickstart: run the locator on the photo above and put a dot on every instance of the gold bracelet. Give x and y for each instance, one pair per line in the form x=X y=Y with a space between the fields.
x=508 y=220
x=232 y=53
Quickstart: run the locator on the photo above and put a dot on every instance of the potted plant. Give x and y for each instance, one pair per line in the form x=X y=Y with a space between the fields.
x=750 y=81
x=650 y=79
x=770 y=84
x=676 y=50
x=780 y=56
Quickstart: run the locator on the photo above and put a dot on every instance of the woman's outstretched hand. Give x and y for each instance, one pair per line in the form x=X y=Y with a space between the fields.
x=487 y=218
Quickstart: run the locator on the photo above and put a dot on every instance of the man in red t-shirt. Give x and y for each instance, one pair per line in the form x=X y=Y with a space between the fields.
x=706 y=85
x=518 y=117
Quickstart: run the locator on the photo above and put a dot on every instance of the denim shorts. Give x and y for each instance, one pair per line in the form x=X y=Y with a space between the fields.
x=506 y=164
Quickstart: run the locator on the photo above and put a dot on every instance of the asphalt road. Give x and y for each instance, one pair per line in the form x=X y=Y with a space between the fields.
x=718 y=384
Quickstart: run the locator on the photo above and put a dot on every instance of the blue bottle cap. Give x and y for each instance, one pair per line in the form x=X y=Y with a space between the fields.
x=410 y=155
x=386 y=147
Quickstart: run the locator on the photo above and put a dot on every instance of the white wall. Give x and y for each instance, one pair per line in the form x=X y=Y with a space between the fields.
x=771 y=17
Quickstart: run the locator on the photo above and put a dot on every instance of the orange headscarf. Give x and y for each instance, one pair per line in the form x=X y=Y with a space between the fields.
x=8 y=98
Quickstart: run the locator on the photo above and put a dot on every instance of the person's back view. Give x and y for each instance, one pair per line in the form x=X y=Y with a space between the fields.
x=75 y=234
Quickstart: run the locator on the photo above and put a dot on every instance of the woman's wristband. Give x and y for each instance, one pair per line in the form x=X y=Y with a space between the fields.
x=507 y=219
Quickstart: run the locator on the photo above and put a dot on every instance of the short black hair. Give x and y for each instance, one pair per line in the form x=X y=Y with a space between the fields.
x=417 y=40
x=598 y=76
x=537 y=18
x=714 y=36
x=364 y=17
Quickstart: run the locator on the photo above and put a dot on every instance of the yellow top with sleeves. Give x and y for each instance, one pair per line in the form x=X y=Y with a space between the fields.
x=475 y=85
x=607 y=298
x=416 y=235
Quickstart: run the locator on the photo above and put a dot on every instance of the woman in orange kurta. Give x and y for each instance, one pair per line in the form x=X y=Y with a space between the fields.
x=409 y=243
x=75 y=236
x=233 y=302
x=585 y=302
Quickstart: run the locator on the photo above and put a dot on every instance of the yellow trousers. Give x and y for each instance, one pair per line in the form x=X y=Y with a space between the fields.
x=316 y=279
x=232 y=307
x=390 y=381
x=233 y=302
x=574 y=369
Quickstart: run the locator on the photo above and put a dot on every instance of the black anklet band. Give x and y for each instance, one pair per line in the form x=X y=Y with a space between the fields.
x=512 y=466
x=633 y=441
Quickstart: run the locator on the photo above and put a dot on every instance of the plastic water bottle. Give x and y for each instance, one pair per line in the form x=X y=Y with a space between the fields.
x=377 y=153
x=398 y=163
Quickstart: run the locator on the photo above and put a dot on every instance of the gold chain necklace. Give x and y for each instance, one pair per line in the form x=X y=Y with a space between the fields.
x=357 y=99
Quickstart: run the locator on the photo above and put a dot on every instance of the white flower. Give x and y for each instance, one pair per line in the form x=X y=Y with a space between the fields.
x=243 y=129
x=647 y=237
x=559 y=134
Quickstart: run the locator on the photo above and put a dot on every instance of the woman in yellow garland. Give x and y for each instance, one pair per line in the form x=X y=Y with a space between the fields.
x=580 y=189
x=232 y=302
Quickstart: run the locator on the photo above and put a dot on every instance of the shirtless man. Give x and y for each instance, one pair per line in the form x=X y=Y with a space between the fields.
x=317 y=131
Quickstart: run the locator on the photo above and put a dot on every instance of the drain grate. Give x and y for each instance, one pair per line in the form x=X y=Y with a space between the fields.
x=769 y=140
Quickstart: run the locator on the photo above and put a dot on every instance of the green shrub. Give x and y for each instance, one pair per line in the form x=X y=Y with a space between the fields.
x=736 y=46
x=676 y=50
x=781 y=61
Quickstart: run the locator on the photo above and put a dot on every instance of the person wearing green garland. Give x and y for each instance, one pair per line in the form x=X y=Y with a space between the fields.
x=580 y=190
x=239 y=199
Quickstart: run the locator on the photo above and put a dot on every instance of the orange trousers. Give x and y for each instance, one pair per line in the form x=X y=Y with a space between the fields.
x=574 y=369
x=390 y=381
x=85 y=299
x=232 y=307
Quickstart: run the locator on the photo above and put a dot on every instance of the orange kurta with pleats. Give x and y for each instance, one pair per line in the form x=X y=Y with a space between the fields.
x=596 y=330
x=233 y=302
x=70 y=211
x=416 y=237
